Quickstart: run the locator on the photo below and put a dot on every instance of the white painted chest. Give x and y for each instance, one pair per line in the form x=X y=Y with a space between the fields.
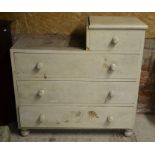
x=59 y=86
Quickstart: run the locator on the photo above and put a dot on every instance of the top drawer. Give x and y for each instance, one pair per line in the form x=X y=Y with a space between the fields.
x=115 y=33
x=124 y=41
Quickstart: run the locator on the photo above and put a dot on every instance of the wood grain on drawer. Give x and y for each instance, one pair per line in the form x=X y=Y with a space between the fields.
x=77 y=92
x=76 y=117
x=114 y=40
x=102 y=66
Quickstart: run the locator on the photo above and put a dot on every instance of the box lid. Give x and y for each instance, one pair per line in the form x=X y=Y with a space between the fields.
x=115 y=22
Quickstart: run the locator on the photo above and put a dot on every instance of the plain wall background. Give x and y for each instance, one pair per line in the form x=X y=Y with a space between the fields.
x=66 y=23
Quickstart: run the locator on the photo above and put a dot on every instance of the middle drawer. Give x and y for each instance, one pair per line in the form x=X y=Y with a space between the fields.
x=76 y=65
x=76 y=92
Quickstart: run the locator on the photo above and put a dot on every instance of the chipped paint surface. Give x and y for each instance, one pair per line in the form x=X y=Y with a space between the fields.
x=92 y=114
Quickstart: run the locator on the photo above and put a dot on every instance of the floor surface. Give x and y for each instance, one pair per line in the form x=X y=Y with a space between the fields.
x=145 y=128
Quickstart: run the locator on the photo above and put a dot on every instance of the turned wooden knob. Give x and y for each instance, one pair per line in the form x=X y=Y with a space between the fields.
x=115 y=40
x=110 y=119
x=39 y=65
x=110 y=94
x=41 y=93
x=42 y=118
x=112 y=67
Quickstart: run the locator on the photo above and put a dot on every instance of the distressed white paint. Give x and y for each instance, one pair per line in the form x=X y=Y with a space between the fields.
x=102 y=40
x=77 y=92
x=75 y=117
x=66 y=87
x=74 y=65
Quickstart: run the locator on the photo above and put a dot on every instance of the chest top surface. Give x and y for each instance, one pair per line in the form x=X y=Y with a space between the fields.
x=115 y=22
x=48 y=42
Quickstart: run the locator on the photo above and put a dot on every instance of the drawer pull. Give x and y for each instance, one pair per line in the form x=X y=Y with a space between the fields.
x=41 y=93
x=39 y=65
x=42 y=118
x=110 y=119
x=110 y=94
x=115 y=41
x=112 y=67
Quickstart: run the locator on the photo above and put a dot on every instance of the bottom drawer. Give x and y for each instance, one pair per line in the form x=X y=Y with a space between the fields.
x=57 y=116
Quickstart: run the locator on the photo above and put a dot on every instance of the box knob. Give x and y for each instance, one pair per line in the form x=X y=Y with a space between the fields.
x=41 y=93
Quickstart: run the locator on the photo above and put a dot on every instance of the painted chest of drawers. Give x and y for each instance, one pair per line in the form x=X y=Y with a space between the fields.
x=64 y=87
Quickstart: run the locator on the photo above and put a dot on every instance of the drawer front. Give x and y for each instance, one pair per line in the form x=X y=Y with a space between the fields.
x=115 y=40
x=103 y=66
x=77 y=92
x=76 y=117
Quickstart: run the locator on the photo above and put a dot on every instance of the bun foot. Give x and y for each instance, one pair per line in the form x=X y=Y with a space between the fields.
x=128 y=133
x=24 y=133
